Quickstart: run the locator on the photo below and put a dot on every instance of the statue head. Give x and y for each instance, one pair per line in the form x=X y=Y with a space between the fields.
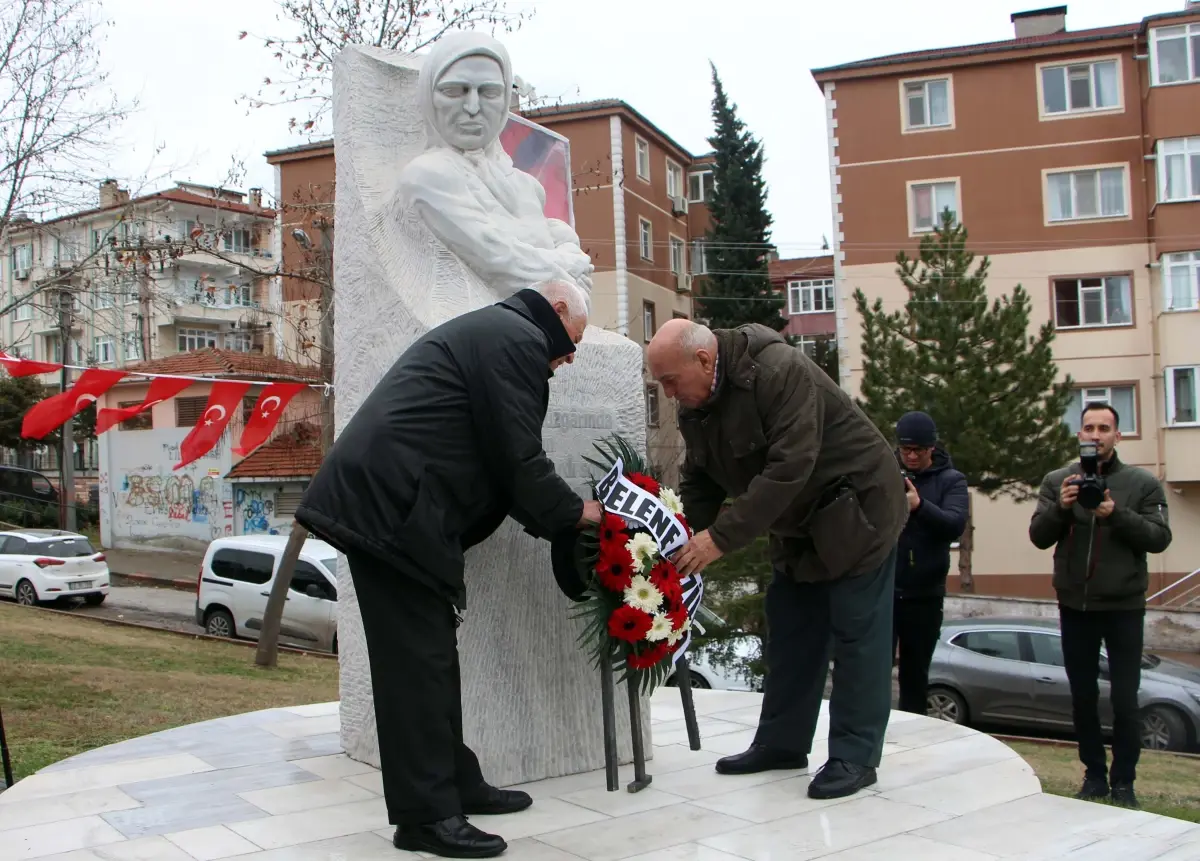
x=464 y=89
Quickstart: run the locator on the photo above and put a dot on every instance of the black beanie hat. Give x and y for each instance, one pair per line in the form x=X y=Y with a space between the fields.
x=916 y=428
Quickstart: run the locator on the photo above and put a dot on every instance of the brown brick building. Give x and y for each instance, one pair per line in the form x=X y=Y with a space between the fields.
x=1074 y=160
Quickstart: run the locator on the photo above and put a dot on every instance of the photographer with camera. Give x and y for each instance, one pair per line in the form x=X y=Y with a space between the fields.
x=1102 y=517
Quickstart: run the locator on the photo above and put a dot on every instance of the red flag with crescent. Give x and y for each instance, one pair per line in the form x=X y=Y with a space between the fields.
x=161 y=389
x=222 y=401
x=266 y=415
x=44 y=416
x=18 y=367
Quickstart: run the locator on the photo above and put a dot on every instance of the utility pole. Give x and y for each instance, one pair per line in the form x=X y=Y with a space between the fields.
x=66 y=457
x=267 y=654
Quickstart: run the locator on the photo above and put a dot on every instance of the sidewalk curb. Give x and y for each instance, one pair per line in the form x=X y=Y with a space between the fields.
x=152 y=580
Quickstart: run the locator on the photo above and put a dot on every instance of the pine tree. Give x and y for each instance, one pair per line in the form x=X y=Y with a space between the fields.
x=738 y=288
x=990 y=385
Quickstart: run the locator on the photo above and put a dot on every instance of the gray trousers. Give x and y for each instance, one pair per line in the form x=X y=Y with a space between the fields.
x=849 y=619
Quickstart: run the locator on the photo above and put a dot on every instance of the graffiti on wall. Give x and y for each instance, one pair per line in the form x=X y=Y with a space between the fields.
x=256 y=508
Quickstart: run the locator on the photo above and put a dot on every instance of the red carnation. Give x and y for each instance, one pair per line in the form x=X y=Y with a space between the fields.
x=645 y=482
x=614 y=567
x=629 y=624
x=649 y=657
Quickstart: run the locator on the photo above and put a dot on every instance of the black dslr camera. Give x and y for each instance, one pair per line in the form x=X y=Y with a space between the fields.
x=1091 y=484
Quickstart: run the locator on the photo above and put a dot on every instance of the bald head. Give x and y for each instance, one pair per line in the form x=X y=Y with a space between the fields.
x=682 y=356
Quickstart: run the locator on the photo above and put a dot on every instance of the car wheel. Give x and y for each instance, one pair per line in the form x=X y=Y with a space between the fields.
x=1163 y=728
x=946 y=704
x=698 y=682
x=26 y=594
x=95 y=599
x=219 y=623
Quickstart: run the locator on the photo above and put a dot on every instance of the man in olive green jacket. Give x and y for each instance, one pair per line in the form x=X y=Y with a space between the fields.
x=1101 y=577
x=764 y=425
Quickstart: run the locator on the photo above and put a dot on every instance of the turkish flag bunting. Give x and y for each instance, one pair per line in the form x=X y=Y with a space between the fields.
x=19 y=367
x=161 y=389
x=266 y=415
x=224 y=399
x=45 y=416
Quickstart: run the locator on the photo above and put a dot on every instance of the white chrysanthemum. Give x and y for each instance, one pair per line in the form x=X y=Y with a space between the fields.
x=660 y=629
x=671 y=500
x=675 y=636
x=643 y=595
x=643 y=548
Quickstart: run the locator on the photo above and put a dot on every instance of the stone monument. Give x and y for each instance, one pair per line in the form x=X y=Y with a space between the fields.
x=433 y=220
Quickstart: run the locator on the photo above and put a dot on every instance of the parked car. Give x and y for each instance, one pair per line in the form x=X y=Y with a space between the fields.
x=235 y=581
x=27 y=498
x=1010 y=672
x=42 y=565
x=708 y=675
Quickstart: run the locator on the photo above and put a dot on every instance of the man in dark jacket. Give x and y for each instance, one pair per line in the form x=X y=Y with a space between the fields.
x=446 y=445
x=1101 y=577
x=937 y=515
x=763 y=424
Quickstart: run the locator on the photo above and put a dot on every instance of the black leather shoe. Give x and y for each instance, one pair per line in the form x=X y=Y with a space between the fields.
x=838 y=778
x=1093 y=789
x=1123 y=795
x=450 y=838
x=490 y=801
x=761 y=758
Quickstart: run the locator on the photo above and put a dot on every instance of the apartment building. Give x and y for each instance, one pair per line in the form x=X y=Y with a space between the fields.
x=639 y=208
x=807 y=285
x=1073 y=158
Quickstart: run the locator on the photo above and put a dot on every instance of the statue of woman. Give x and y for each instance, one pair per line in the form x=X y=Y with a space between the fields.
x=465 y=188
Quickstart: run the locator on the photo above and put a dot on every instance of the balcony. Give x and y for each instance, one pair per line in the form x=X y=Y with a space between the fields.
x=208 y=305
x=259 y=261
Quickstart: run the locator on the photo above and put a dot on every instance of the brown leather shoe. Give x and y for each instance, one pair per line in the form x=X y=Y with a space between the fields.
x=449 y=838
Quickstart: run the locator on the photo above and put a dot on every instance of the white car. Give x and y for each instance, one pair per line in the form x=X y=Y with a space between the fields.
x=235 y=581
x=707 y=675
x=42 y=565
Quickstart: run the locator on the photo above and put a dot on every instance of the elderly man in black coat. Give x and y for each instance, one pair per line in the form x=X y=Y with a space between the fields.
x=446 y=446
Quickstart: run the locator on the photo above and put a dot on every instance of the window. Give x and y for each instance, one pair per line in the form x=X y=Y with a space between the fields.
x=62 y=548
x=810 y=297
x=131 y=346
x=809 y=343
x=238 y=241
x=929 y=200
x=1176 y=54
x=22 y=258
x=1080 y=88
x=677 y=255
x=1181 y=280
x=646 y=239
x=248 y=403
x=24 y=311
x=104 y=299
x=15 y=546
x=1181 y=395
x=104 y=350
x=700 y=186
x=245 y=566
x=1179 y=169
x=54 y=351
x=1080 y=194
x=1084 y=302
x=652 y=406
x=649 y=325
x=305 y=575
x=188 y=411
x=1047 y=649
x=238 y=294
x=674 y=180
x=994 y=644
x=98 y=238
x=642 y=153
x=927 y=104
x=142 y=421
x=1123 y=399
x=195 y=339
x=699 y=258
x=239 y=342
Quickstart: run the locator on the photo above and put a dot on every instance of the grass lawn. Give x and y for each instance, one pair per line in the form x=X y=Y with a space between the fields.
x=68 y=685
x=1167 y=785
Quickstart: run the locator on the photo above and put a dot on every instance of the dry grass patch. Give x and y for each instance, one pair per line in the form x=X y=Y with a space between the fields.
x=71 y=684
x=1166 y=784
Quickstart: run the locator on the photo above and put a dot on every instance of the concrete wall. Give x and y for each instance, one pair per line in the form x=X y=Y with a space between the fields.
x=256 y=509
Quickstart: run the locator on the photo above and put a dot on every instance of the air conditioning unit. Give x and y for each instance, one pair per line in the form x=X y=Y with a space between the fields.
x=683 y=283
x=22 y=275
x=679 y=206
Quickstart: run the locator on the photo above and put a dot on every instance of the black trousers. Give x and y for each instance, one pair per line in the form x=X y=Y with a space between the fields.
x=916 y=624
x=850 y=619
x=413 y=650
x=1121 y=632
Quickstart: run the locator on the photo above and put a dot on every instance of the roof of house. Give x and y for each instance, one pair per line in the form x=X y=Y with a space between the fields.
x=608 y=106
x=1064 y=38
x=216 y=362
x=172 y=195
x=298 y=150
x=284 y=457
x=799 y=267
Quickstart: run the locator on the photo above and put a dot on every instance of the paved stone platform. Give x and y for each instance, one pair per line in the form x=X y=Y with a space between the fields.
x=274 y=786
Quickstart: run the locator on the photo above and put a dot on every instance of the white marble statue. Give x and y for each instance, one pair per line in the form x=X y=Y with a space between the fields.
x=432 y=221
